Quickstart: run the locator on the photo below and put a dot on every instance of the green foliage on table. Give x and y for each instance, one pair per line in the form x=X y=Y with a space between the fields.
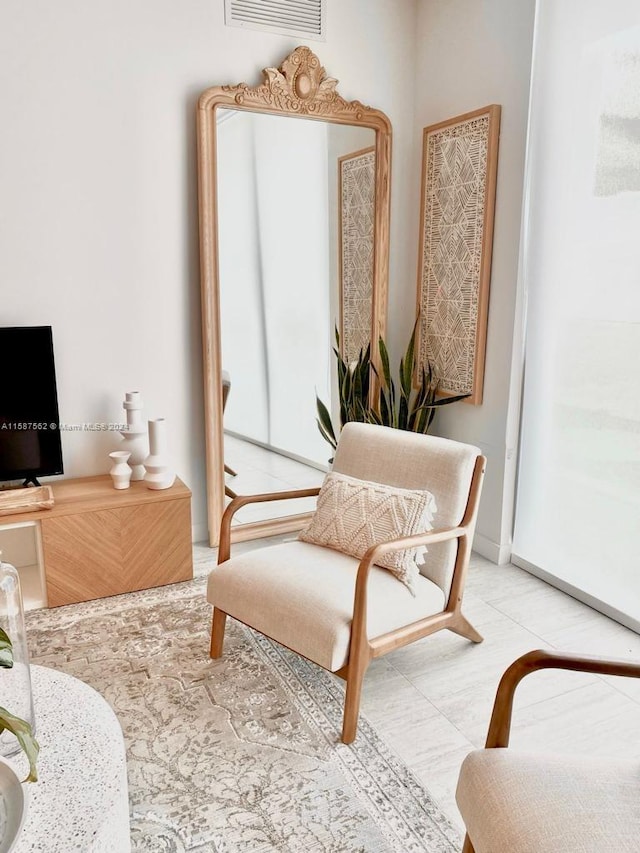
x=6 y=650
x=8 y=722
x=399 y=405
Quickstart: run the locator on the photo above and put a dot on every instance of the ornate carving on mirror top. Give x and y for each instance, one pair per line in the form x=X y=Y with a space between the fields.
x=300 y=86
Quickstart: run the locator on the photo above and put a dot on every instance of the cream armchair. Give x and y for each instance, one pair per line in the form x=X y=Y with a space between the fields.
x=525 y=802
x=341 y=612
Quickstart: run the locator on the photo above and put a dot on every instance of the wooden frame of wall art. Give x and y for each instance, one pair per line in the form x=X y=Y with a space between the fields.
x=459 y=176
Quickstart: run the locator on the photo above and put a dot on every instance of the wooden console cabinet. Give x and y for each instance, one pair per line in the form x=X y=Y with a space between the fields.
x=99 y=541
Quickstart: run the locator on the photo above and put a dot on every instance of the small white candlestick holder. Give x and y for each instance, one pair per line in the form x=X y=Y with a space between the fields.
x=135 y=435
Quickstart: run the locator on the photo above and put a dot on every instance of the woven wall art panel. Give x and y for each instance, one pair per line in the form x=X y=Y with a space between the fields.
x=357 y=217
x=459 y=166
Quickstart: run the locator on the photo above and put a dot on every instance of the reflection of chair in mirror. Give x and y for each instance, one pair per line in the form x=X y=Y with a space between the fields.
x=341 y=611
x=542 y=801
x=226 y=387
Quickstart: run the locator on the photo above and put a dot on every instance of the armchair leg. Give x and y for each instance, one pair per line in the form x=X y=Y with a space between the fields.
x=465 y=629
x=468 y=846
x=230 y=471
x=217 y=632
x=229 y=492
x=355 y=676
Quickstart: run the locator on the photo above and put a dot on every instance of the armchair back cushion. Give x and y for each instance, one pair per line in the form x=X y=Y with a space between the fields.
x=409 y=460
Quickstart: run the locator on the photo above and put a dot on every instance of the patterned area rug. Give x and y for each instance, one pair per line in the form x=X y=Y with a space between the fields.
x=240 y=755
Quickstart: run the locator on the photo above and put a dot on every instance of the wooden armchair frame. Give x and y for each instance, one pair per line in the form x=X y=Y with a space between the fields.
x=363 y=650
x=500 y=724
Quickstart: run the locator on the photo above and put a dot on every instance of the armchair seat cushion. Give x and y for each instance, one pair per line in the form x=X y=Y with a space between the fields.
x=536 y=803
x=301 y=595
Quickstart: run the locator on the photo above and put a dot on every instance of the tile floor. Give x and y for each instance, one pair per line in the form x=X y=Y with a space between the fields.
x=431 y=701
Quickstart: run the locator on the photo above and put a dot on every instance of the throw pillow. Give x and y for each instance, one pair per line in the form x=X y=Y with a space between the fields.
x=352 y=515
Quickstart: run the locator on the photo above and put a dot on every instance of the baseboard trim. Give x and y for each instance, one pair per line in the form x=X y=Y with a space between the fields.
x=579 y=594
x=199 y=533
x=499 y=554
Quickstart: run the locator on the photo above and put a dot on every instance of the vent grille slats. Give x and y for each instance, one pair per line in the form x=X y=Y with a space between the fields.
x=268 y=17
x=287 y=17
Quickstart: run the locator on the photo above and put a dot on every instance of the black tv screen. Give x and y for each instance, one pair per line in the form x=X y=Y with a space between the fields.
x=30 y=444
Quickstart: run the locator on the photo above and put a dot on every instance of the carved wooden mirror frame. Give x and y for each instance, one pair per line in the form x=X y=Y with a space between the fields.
x=300 y=87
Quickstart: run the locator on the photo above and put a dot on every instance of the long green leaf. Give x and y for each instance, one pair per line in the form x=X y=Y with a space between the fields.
x=384 y=409
x=403 y=413
x=325 y=419
x=342 y=368
x=392 y=404
x=406 y=369
x=357 y=381
x=6 y=650
x=384 y=360
x=365 y=375
x=425 y=391
x=404 y=386
x=362 y=412
x=422 y=422
x=444 y=401
x=325 y=435
x=22 y=730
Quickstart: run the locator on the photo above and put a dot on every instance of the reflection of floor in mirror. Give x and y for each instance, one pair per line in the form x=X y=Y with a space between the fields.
x=260 y=470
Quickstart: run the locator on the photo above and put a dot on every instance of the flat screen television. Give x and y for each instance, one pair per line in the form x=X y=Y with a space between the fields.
x=30 y=445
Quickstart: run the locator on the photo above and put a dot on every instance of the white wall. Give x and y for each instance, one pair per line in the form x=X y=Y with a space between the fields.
x=98 y=210
x=472 y=53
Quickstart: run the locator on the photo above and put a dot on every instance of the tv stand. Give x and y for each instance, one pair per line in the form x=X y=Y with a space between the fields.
x=31 y=481
x=98 y=541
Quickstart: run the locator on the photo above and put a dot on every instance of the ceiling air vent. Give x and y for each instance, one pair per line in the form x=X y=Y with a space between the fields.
x=304 y=18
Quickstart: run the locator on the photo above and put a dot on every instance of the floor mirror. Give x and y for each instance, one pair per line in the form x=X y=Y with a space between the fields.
x=294 y=186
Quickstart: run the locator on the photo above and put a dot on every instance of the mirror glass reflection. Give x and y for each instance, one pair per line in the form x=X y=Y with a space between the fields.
x=295 y=250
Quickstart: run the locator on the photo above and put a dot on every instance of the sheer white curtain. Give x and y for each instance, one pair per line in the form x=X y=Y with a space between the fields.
x=578 y=496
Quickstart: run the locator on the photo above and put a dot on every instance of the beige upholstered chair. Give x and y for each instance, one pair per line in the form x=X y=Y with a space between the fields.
x=528 y=802
x=341 y=612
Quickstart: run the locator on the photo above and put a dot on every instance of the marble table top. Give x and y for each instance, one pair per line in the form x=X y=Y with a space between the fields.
x=80 y=801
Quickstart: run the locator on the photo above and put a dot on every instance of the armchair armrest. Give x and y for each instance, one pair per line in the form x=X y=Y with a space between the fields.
x=375 y=552
x=224 y=548
x=429 y=538
x=500 y=725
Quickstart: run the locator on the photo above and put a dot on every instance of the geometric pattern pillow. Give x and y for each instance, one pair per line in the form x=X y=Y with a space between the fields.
x=352 y=515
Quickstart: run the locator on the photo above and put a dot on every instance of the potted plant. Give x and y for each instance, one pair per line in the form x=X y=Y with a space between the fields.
x=409 y=404
x=17 y=726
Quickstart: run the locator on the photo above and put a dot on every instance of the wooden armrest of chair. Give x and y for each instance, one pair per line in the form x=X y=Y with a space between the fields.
x=500 y=725
x=429 y=538
x=224 y=548
x=375 y=552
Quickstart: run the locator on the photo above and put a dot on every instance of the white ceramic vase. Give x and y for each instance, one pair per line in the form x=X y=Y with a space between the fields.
x=135 y=435
x=159 y=474
x=120 y=470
